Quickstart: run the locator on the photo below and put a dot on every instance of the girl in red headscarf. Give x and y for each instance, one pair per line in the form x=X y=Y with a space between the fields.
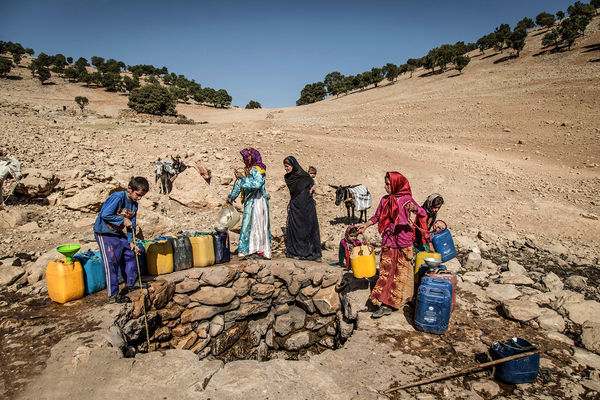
x=395 y=285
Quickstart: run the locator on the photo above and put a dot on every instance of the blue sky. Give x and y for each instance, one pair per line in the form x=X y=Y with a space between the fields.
x=263 y=50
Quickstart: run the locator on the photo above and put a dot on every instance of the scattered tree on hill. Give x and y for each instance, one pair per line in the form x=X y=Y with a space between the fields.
x=222 y=98
x=568 y=32
x=551 y=38
x=560 y=15
x=43 y=74
x=376 y=76
x=97 y=61
x=70 y=60
x=595 y=4
x=5 y=66
x=578 y=8
x=111 y=81
x=486 y=42
x=253 y=104
x=461 y=62
x=152 y=99
x=501 y=35
x=334 y=82
x=545 y=19
x=312 y=93
x=526 y=23
x=81 y=101
x=516 y=40
x=413 y=64
x=130 y=83
x=390 y=71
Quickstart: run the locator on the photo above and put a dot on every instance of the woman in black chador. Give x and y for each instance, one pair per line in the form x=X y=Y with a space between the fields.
x=303 y=240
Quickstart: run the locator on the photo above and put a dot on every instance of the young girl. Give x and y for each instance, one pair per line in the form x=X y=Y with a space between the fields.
x=312 y=171
x=395 y=285
x=349 y=241
x=423 y=225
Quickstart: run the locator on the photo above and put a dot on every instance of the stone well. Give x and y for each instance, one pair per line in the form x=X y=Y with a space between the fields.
x=249 y=310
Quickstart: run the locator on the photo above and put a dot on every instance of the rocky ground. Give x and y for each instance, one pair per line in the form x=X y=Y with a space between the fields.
x=513 y=146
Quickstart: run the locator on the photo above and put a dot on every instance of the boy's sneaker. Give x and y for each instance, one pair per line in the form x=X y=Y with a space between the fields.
x=381 y=311
x=121 y=298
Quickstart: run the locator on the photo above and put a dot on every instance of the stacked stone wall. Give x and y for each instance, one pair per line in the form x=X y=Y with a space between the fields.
x=251 y=310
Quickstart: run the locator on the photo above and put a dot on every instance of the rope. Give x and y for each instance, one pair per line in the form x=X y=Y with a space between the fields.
x=141 y=288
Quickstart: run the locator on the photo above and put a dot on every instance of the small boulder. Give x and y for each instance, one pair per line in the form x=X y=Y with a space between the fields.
x=500 y=292
x=191 y=190
x=37 y=183
x=553 y=282
x=590 y=336
x=521 y=310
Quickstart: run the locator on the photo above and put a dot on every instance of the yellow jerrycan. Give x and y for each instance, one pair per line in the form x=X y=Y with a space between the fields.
x=203 y=251
x=159 y=257
x=64 y=280
x=362 y=261
x=421 y=256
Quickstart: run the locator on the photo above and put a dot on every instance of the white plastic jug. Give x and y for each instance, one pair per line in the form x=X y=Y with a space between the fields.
x=228 y=217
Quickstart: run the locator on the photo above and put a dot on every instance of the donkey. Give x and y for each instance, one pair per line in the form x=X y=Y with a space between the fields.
x=163 y=172
x=355 y=197
x=8 y=166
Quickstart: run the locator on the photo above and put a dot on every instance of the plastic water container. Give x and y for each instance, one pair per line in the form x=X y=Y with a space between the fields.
x=422 y=255
x=94 y=276
x=444 y=244
x=362 y=261
x=203 y=251
x=64 y=280
x=434 y=301
x=221 y=247
x=521 y=370
x=159 y=257
x=443 y=274
x=182 y=253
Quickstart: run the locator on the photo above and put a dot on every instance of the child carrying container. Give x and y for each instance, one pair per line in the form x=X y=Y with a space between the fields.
x=114 y=230
x=423 y=225
x=349 y=241
x=395 y=285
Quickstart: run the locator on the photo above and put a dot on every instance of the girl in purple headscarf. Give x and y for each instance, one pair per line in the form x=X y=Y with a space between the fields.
x=255 y=234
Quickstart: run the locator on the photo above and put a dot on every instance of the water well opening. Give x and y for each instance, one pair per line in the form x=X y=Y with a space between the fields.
x=255 y=310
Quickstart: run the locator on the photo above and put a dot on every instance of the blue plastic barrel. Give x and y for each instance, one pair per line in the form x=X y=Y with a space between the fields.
x=521 y=370
x=444 y=244
x=434 y=302
x=94 y=278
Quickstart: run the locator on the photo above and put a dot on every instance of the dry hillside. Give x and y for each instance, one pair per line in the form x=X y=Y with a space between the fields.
x=513 y=146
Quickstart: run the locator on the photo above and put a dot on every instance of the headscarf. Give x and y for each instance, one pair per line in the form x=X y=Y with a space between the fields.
x=298 y=179
x=311 y=167
x=431 y=216
x=349 y=244
x=399 y=187
x=252 y=158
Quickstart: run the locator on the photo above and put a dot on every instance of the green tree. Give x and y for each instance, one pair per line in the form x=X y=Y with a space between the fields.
x=526 y=23
x=179 y=93
x=391 y=71
x=71 y=74
x=43 y=74
x=5 y=66
x=376 y=76
x=545 y=19
x=111 y=81
x=81 y=63
x=70 y=60
x=334 y=82
x=130 y=83
x=595 y=4
x=516 y=40
x=444 y=55
x=501 y=35
x=578 y=8
x=253 y=104
x=223 y=99
x=551 y=38
x=312 y=93
x=486 y=42
x=430 y=60
x=152 y=99
x=97 y=61
x=560 y=15
x=413 y=64
x=29 y=51
x=568 y=32
x=461 y=61
x=81 y=101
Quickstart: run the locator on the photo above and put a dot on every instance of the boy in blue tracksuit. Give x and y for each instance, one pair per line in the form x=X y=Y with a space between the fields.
x=113 y=230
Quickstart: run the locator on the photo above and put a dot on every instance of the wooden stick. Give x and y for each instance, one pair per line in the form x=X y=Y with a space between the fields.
x=464 y=371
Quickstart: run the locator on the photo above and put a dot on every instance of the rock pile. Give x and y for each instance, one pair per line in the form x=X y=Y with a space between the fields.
x=253 y=310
